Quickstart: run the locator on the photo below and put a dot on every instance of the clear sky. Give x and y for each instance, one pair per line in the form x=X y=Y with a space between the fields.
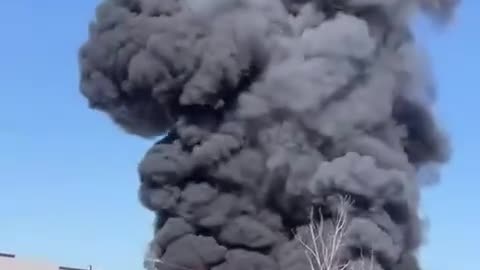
x=68 y=175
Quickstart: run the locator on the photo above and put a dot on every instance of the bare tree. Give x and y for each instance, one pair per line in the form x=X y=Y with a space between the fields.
x=324 y=239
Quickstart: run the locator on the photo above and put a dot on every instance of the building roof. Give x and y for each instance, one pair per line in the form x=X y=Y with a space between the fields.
x=11 y=262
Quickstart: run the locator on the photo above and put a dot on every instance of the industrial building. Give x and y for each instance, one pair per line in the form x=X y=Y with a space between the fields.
x=11 y=262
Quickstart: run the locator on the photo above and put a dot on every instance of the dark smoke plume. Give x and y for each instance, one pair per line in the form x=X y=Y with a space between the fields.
x=270 y=108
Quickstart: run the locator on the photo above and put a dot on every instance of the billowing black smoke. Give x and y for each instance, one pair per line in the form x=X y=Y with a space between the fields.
x=270 y=108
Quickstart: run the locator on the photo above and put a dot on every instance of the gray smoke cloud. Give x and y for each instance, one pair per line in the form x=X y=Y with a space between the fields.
x=270 y=108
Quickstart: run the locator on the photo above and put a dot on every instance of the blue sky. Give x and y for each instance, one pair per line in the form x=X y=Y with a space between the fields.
x=68 y=176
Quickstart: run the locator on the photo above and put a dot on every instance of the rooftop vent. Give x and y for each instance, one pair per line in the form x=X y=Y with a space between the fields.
x=7 y=255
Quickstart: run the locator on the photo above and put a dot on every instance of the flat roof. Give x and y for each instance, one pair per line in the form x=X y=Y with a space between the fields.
x=12 y=262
